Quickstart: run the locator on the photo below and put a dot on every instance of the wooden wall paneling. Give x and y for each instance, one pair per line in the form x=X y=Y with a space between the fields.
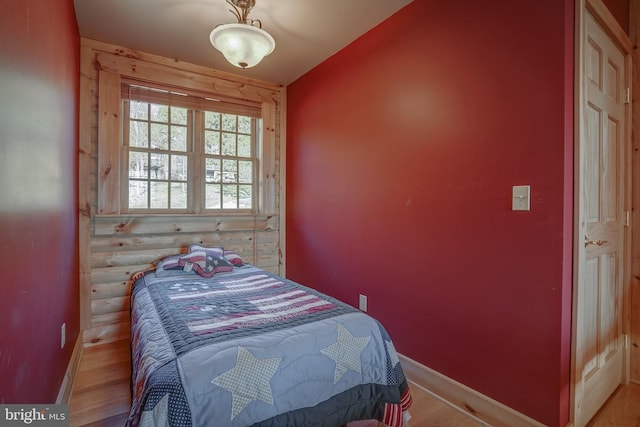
x=282 y=168
x=107 y=333
x=268 y=171
x=634 y=29
x=110 y=305
x=115 y=274
x=115 y=245
x=128 y=257
x=172 y=76
x=110 y=289
x=108 y=144
x=122 y=51
x=85 y=132
x=158 y=224
x=178 y=242
x=99 y=320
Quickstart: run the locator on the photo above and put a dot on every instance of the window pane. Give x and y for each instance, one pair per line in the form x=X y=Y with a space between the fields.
x=138 y=165
x=245 y=172
x=159 y=166
x=159 y=113
x=211 y=120
x=162 y=141
x=244 y=146
x=178 y=138
x=212 y=142
x=138 y=134
x=213 y=196
x=138 y=191
x=228 y=144
x=245 y=192
x=229 y=122
x=229 y=197
x=229 y=171
x=138 y=110
x=179 y=170
x=244 y=124
x=159 y=195
x=159 y=136
x=178 y=195
x=179 y=115
x=213 y=170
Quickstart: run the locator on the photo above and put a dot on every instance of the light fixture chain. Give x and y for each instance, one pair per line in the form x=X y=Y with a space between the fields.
x=241 y=9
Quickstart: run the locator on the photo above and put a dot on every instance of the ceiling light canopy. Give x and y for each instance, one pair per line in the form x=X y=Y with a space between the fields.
x=244 y=44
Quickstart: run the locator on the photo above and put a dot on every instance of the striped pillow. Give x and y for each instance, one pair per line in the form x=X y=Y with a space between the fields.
x=168 y=266
x=205 y=263
x=233 y=258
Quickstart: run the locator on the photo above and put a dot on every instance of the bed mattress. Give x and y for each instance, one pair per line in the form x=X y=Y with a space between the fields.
x=249 y=348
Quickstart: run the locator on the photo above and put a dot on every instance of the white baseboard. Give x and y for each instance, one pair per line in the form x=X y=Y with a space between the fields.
x=465 y=399
x=64 y=395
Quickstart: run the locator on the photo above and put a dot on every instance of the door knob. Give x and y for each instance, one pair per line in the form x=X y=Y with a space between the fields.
x=588 y=242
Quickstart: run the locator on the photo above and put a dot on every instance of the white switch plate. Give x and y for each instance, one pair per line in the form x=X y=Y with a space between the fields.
x=521 y=198
x=63 y=335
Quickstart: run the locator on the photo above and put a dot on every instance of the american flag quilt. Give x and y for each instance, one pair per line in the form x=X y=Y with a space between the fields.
x=249 y=348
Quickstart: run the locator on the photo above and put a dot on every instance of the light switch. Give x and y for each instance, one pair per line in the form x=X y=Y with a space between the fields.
x=521 y=198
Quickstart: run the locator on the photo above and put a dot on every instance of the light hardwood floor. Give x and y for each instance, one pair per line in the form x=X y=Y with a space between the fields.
x=101 y=397
x=621 y=410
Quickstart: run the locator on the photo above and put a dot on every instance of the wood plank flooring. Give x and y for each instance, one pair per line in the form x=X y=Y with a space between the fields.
x=621 y=410
x=101 y=392
x=101 y=397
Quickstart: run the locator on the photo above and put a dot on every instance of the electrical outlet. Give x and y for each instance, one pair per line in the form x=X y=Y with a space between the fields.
x=363 y=302
x=63 y=335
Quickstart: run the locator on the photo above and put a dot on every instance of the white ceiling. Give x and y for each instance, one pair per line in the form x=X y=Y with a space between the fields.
x=306 y=31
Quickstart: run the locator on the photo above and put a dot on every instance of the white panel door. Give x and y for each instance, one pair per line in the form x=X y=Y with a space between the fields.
x=598 y=312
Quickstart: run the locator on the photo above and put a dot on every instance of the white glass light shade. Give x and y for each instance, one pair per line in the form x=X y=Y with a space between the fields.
x=242 y=44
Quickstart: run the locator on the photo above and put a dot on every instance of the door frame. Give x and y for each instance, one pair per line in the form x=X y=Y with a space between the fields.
x=604 y=17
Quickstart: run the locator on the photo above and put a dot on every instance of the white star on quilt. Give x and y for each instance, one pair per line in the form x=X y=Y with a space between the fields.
x=346 y=352
x=249 y=380
x=393 y=354
x=158 y=416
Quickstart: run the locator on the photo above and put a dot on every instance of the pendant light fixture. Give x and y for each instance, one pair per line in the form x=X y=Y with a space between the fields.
x=244 y=44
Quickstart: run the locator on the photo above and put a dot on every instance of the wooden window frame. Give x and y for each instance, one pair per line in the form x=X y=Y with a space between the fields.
x=197 y=107
x=124 y=168
x=114 y=69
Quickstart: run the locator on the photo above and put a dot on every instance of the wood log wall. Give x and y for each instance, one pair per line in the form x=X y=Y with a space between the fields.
x=113 y=247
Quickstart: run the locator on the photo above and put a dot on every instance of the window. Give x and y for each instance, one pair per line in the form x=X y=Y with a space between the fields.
x=229 y=163
x=158 y=170
x=184 y=154
x=138 y=100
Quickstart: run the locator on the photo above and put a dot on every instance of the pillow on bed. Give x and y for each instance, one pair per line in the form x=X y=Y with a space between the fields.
x=168 y=266
x=233 y=258
x=216 y=250
x=206 y=263
x=230 y=256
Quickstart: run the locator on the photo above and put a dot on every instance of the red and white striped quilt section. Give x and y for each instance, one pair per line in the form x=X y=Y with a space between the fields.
x=267 y=300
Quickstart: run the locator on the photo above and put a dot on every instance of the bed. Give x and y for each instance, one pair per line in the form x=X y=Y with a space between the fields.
x=219 y=342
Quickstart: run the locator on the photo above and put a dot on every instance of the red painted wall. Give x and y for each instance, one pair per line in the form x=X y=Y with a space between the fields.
x=402 y=150
x=39 y=77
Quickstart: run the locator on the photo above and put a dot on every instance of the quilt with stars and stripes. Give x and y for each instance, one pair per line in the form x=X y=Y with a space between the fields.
x=249 y=348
